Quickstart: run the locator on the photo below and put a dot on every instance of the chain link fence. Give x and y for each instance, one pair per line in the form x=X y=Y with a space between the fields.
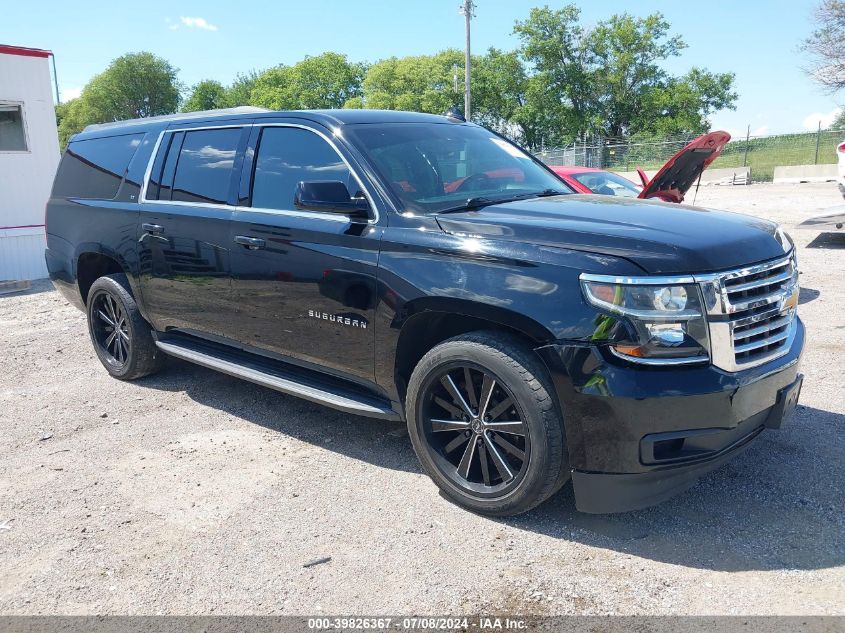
x=761 y=153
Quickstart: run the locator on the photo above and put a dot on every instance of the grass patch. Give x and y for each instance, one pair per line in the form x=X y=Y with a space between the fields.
x=763 y=154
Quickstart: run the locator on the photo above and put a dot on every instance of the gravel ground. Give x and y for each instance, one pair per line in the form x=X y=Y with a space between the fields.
x=191 y=492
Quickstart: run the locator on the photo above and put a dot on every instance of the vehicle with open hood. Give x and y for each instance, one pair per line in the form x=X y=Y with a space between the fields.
x=669 y=184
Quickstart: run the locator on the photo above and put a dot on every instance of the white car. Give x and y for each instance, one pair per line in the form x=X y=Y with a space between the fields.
x=841 y=153
x=834 y=219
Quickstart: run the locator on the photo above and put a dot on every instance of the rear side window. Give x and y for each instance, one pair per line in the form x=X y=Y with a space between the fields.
x=95 y=168
x=203 y=171
x=288 y=155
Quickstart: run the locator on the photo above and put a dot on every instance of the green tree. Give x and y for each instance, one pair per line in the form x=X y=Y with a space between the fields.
x=207 y=95
x=422 y=83
x=509 y=100
x=826 y=45
x=135 y=85
x=839 y=123
x=322 y=81
x=499 y=83
x=72 y=117
x=240 y=90
x=558 y=49
x=683 y=105
x=609 y=80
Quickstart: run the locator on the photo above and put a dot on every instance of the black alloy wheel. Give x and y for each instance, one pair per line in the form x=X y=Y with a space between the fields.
x=485 y=424
x=111 y=328
x=122 y=339
x=472 y=424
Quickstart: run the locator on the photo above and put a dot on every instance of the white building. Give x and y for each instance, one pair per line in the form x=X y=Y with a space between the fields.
x=29 y=155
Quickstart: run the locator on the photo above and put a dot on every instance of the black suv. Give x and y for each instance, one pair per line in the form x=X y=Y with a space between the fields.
x=421 y=268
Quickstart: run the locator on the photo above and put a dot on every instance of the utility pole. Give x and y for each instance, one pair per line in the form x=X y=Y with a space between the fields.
x=468 y=10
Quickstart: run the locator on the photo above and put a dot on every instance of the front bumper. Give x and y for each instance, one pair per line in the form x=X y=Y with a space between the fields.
x=638 y=435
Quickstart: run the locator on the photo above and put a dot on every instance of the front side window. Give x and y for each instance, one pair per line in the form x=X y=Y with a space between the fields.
x=289 y=155
x=204 y=169
x=433 y=167
x=12 y=132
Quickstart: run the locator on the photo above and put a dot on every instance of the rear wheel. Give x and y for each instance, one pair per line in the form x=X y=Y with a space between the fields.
x=484 y=425
x=121 y=337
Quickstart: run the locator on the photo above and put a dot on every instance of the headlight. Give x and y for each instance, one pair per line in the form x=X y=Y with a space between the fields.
x=656 y=323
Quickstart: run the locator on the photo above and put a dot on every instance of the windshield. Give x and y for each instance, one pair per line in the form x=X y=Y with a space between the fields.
x=434 y=167
x=607 y=184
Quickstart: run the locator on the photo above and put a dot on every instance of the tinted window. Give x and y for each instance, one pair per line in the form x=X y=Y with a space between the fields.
x=169 y=167
x=94 y=168
x=288 y=155
x=433 y=167
x=204 y=170
x=12 y=136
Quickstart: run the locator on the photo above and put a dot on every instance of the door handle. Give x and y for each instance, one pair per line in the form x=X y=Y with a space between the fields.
x=252 y=243
x=154 y=229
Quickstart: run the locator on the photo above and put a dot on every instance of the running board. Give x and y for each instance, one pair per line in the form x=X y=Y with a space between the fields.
x=282 y=377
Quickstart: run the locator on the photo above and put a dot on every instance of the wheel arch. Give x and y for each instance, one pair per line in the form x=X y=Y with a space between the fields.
x=428 y=323
x=93 y=262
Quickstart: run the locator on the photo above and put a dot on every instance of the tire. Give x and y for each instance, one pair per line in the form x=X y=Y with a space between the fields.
x=437 y=421
x=133 y=354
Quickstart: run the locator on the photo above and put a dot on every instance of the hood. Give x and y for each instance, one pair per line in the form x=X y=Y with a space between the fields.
x=682 y=170
x=661 y=238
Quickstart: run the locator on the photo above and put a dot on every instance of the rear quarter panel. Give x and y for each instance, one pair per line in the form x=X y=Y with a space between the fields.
x=75 y=226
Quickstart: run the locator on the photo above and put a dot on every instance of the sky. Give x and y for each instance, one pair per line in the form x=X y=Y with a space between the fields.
x=759 y=41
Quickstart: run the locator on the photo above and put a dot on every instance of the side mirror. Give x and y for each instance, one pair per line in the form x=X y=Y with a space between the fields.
x=329 y=196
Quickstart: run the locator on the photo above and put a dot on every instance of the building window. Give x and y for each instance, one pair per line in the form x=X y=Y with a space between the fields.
x=12 y=134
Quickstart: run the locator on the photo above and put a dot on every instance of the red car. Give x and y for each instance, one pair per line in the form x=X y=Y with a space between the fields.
x=669 y=184
x=593 y=180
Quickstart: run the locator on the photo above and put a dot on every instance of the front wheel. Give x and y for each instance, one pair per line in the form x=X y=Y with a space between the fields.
x=121 y=337
x=484 y=425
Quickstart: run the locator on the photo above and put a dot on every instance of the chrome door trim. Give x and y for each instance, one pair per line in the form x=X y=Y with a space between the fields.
x=317 y=215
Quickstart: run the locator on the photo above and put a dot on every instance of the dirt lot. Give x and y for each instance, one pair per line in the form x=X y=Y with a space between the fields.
x=192 y=492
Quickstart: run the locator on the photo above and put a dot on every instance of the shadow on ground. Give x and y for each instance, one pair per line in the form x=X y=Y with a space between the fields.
x=828 y=240
x=806 y=295
x=776 y=506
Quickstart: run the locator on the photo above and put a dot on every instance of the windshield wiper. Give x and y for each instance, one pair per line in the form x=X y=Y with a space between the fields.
x=545 y=193
x=483 y=201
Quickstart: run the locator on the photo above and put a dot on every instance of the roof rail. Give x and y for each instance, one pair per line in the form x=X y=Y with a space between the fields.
x=178 y=116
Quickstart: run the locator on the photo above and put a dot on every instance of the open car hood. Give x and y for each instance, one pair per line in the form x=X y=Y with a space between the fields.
x=683 y=170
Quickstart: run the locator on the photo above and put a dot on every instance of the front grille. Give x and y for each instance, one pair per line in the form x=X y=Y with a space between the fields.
x=754 y=313
x=760 y=339
x=749 y=287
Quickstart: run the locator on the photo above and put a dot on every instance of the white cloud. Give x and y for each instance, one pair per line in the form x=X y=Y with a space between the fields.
x=70 y=93
x=811 y=122
x=197 y=23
